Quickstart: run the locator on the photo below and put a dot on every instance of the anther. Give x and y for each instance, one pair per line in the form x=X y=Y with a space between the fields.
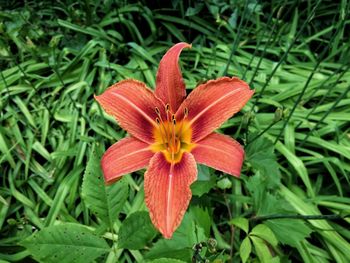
x=186 y=111
x=174 y=121
x=158 y=121
x=167 y=107
x=157 y=111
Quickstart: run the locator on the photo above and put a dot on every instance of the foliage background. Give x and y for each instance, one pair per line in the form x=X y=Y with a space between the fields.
x=292 y=201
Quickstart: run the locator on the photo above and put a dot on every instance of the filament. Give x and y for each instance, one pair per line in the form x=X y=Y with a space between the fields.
x=171 y=135
x=167 y=111
x=161 y=124
x=182 y=123
x=173 y=130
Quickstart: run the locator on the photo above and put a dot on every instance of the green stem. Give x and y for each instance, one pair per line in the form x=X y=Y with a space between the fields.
x=303 y=217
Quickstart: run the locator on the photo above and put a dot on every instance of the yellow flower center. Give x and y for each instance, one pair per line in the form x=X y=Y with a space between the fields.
x=172 y=137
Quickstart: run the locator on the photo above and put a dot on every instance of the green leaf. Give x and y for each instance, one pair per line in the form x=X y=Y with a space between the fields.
x=232 y=21
x=241 y=222
x=180 y=245
x=265 y=233
x=203 y=173
x=192 y=11
x=263 y=251
x=224 y=183
x=289 y=231
x=260 y=154
x=166 y=260
x=105 y=201
x=136 y=231
x=65 y=243
x=266 y=203
x=245 y=249
x=202 y=218
x=204 y=182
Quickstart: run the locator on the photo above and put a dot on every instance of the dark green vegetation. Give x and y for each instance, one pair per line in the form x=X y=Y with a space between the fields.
x=292 y=201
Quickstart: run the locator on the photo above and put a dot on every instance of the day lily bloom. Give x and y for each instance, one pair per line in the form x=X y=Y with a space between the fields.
x=170 y=133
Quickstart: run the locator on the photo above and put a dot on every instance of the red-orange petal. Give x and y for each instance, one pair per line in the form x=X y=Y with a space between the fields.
x=133 y=105
x=220 y=152
x=167 y=191
x=212 y=103
x=126 y=156
x=170 y=87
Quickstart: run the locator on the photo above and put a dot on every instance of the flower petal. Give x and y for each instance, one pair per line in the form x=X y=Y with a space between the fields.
x=170 y=87
x=212 y=103
x=133 y=105
x=220 y=152
x=126 y=156
x=167 y=191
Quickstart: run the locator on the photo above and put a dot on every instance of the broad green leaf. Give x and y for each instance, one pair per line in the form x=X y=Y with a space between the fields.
x=201 y=217
x=306 y=208
x=273 y=204
x=245 y=249
x=192 y=11
x=136 y=231
x=263 y=251
x=289 y=231
x=232 y=21
x=166 y=260
x=260 y=154
x=204 y=182
x=266 y=203
x=265 y=233
x=105 y=201
x=65 y=243
x=241 y=223
x=180 y=245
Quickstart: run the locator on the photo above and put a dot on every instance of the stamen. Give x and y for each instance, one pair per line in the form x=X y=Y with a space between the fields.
x=173 y=131
x=161 y=124
x=182 y=123
x=167 y=111
x=185 y=112
x=157 y=111
x=159 y=115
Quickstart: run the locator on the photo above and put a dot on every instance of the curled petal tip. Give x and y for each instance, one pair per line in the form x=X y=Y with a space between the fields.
x=170 y=87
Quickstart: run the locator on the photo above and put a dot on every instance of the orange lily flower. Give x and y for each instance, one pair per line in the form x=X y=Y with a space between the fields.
x=170 y=134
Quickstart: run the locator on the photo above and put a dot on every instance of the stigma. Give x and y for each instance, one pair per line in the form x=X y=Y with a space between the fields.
x=172 y=136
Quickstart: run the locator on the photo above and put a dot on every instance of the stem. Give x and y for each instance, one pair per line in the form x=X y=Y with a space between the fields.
x=284 y=56
x=304 y=217
x=237 y=38
x=261 y=133
x=232 y=229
